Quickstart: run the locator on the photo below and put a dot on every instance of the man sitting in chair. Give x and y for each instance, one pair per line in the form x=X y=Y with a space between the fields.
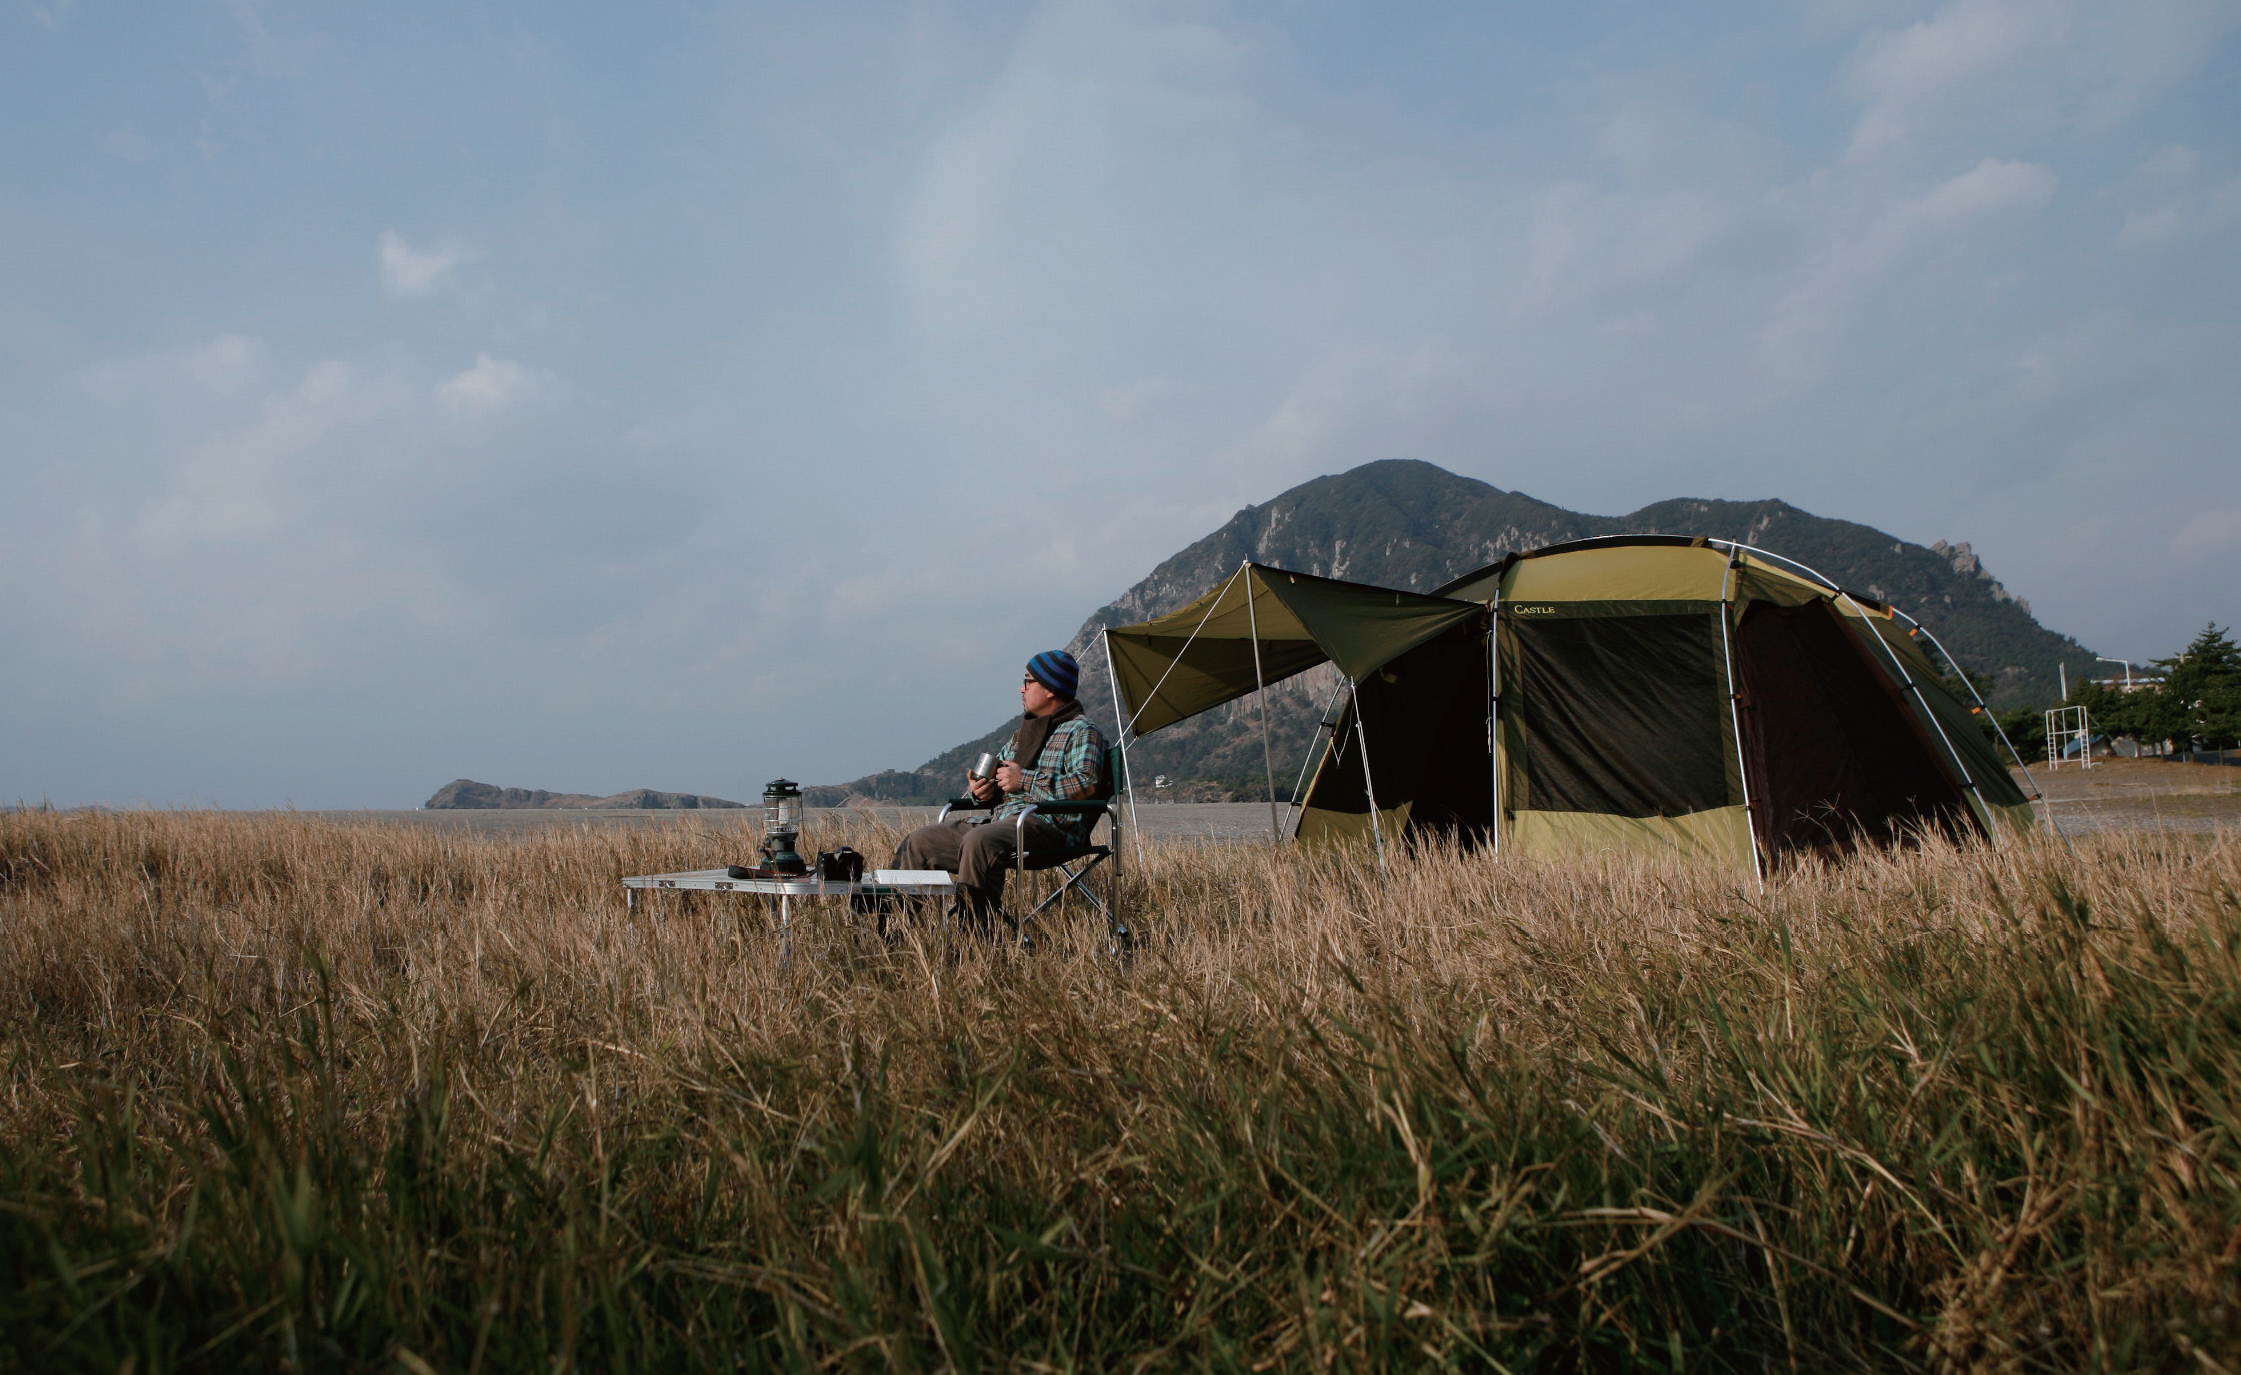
x=1064 y=761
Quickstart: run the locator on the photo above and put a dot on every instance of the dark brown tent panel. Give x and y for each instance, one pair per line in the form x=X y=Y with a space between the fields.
x=1414 y=739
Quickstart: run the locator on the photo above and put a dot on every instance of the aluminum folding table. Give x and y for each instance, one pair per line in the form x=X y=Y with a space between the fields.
x=900 y=883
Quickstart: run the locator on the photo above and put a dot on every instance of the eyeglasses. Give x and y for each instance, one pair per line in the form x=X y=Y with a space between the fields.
x=1029 y=680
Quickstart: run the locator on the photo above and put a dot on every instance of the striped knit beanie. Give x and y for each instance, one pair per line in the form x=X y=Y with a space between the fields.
x=1056 y=670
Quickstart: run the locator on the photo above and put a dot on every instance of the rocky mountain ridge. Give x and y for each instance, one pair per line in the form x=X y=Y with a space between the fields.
x=465 y=794
x=1403 y=523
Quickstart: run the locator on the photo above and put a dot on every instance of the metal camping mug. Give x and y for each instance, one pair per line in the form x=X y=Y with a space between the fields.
x=984 y=768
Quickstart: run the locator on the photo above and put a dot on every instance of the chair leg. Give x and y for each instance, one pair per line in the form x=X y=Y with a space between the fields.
x=1059 y=892
x=1107 y=903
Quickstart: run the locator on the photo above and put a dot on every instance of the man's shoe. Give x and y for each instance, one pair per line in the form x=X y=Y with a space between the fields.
x=977 y=912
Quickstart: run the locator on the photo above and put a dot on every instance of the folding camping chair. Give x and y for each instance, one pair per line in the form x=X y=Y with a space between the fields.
x=1076 y=862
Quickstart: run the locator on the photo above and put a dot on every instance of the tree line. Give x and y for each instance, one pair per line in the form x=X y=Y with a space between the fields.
x=2192 y=703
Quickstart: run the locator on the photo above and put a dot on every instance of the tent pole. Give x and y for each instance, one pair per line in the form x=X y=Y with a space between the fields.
x=1324 y=724
x=1735 y=717
x=1997 y=728
x=1260 y=691
x=1494 y=715
x=1369 y=786
x=1128 y=783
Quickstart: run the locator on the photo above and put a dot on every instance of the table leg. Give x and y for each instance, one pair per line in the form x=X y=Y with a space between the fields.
x=785 y=931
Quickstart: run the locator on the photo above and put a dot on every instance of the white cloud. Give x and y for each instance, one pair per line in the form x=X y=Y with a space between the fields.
x=495 y=384
x=1365 y=404
x=1672 y=193
x=1906 y=76
x=407 y=271
x=216 y=525
x=1991 y=187
x=2208 y=213
x=2173 y=163
x=2144 y=228
x=246 y=482
x=2129 y=54
x=1858 y=245
x=225 y=366
x=2035 y=65
x=1588 y=241
x=1102 y=113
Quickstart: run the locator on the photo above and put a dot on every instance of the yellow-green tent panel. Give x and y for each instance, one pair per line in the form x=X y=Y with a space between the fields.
x=1319 y=826
x=1178 y=665
x=1719 y=834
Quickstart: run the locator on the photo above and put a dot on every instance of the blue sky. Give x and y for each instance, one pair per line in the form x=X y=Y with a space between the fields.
x=590 y=397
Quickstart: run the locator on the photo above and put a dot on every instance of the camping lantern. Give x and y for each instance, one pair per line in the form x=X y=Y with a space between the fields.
x=782 y=827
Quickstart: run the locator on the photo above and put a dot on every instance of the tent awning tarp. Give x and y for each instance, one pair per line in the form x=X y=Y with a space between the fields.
x=1201 y=656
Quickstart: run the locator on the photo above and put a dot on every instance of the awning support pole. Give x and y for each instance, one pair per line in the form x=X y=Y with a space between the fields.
x=1325 y=725
x=1369 y=785
x=1153 y=695
x=1260 y=693
x=1735 y=717
x=1128 y=784
x=1494 y=715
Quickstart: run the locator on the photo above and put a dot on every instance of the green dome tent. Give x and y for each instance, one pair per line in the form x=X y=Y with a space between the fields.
x=1651 y=693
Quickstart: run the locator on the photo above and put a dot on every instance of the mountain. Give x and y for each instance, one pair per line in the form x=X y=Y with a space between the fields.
x=1402 y=523
x=465 y=794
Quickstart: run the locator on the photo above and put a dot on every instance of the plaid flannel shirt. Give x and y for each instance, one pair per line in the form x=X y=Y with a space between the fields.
x=1071 y=767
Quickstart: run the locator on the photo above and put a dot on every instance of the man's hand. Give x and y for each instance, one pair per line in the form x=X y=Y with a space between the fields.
x=1010 y=778
x=983 y=789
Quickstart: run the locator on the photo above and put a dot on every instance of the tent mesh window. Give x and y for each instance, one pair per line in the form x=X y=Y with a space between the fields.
x=1619 y=715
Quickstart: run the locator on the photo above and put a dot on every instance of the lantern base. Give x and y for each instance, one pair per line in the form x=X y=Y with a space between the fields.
x=779 y=856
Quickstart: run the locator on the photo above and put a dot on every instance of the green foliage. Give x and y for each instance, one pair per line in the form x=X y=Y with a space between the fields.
x=2197 y=701
x=2025 y=728
x=2200 y=697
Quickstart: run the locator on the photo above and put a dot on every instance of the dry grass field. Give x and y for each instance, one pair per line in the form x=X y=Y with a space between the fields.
x=283 y=1093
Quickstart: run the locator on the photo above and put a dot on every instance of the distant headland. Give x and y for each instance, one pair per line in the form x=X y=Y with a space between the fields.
x=465 y=794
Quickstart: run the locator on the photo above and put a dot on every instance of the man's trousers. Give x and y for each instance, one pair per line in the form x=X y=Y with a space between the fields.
x=979 y=852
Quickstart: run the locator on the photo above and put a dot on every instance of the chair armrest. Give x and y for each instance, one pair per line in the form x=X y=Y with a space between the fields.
x=1089 y=808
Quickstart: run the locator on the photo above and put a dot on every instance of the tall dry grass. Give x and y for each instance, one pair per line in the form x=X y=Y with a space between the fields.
x=287 y=1093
